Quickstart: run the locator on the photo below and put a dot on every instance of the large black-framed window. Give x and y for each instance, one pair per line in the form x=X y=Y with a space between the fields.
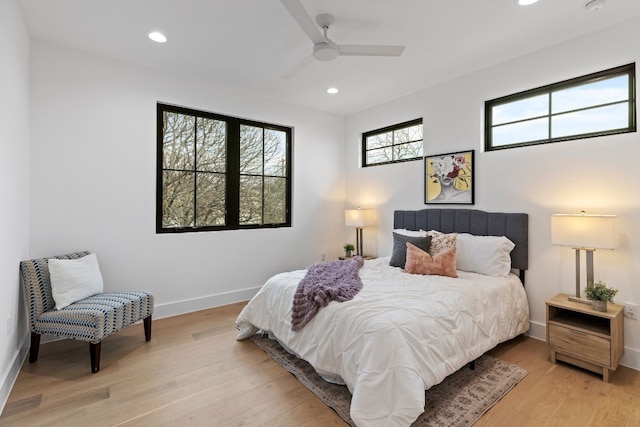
x=216 y=172
x=393 y=144
x=597 y=104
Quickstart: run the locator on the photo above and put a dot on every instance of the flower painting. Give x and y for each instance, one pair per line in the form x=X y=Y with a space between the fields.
x=449 y=178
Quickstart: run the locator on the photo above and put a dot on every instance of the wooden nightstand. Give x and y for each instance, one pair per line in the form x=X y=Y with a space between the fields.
x=366 y=257
x=579 y=335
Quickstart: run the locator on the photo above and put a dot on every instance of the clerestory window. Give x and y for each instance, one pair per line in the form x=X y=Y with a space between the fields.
x=597 y=104
x=393 y=144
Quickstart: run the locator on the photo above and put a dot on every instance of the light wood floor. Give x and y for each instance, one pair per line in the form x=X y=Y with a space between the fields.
x=194 y=373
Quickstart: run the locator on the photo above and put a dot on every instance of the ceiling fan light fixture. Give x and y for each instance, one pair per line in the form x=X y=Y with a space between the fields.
x=526 y=2
x=325 y=51
x=332 y=90
x=593 y=5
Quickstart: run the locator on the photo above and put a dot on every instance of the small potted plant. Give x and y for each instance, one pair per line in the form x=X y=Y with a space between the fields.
x=600 y=295
x=348 y=248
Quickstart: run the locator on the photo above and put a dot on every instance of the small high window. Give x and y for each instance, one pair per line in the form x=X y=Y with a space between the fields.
x=598 y=104
x=393 y=144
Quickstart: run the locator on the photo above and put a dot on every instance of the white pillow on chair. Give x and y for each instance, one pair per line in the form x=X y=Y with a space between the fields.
x=74 y=279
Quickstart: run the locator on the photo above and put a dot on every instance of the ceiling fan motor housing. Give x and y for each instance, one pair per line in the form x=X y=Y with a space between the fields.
x=325 y=51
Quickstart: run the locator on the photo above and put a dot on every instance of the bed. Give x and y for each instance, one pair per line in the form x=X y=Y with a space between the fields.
x=403 y=333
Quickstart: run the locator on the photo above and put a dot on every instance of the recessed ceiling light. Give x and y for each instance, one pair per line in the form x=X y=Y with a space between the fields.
x=526 y=2
x=157 y=37
x=332 y=90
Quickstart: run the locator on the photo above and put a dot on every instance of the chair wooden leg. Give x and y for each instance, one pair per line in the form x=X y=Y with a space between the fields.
x=35 y=347
x=94 y=351
x=147 y=328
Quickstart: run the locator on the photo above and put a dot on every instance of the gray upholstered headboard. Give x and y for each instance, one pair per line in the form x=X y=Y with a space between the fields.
x=515 y=226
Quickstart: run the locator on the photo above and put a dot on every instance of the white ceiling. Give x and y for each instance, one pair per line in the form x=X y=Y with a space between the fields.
x=252 y=44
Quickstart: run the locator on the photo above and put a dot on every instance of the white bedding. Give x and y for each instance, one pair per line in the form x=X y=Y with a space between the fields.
x=401 y=335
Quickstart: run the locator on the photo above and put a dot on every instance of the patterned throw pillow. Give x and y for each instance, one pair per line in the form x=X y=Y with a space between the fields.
x=441 y=242
x=420 y=262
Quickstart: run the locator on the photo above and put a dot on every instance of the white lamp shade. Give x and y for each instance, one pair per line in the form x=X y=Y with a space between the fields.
x=358 y=217
x=584 y=231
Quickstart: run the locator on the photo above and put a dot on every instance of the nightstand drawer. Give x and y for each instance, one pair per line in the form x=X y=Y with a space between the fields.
x=581 y=344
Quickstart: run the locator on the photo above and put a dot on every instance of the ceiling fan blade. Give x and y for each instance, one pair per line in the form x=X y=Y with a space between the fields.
x=370 y=50
x=303 y=19
x=298 y=67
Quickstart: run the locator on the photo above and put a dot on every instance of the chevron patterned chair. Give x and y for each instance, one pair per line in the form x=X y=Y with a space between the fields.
x=90 y=319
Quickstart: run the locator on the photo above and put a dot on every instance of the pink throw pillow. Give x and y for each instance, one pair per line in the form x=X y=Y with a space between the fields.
x=420 y=262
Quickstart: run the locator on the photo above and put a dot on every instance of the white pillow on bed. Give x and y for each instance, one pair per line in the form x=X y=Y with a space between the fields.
x=488 y=255
x=410 y=233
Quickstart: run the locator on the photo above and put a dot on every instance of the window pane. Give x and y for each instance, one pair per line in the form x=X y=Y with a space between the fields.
x=275 y=191
x=250 y=200
x=211 y=145
x=602 y=92
x=531 y=130
x=250 y=150
x=592 y=105
x=410 y=134
x=177 y=199
x=391 y=144
x=592 y=120
x=210 y=199
x=275 y=153
x=178 y=139
x=380 y=156
x=196 y=175
x=379 y=140
x=534 y=106
x=408 y=151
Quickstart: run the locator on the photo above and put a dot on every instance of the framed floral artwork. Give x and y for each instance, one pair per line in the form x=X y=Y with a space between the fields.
x=448 y=178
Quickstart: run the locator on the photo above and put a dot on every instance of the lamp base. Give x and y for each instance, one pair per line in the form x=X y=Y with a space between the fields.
x=580 y=300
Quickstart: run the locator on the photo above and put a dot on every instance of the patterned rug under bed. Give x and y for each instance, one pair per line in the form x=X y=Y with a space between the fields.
x=460 y=400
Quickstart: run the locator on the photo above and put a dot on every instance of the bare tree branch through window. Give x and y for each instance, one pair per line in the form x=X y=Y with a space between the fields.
x=198 y=175
x=393 y=144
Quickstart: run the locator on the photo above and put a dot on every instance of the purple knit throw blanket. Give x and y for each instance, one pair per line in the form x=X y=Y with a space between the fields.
x=325 y=282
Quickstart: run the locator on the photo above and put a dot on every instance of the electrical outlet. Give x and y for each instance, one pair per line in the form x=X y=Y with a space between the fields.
x=9 y=324
x=323 y=256
x=631 y=310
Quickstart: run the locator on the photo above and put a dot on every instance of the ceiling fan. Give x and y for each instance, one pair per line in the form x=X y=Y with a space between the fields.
x=325 y=49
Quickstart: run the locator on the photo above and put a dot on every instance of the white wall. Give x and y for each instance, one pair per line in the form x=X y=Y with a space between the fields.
x=14 y=187
x=598 y=175
x=93 y=175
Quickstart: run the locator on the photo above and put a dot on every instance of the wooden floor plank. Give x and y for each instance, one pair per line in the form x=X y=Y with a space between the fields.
x=193 y=372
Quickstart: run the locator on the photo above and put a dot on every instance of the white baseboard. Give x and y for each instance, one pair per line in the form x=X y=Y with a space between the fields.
x=12 y=373
x=630 y=359
x=196 y=304
x=538 y=331
x=188 y=306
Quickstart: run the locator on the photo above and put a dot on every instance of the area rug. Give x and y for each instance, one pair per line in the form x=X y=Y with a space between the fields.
x=460 y=400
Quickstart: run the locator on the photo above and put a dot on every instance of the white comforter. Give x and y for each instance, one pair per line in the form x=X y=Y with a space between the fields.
x=401 y=335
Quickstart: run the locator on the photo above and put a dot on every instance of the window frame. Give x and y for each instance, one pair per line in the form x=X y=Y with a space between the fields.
x=628 y=69
x=233 y=176
x=391 y=129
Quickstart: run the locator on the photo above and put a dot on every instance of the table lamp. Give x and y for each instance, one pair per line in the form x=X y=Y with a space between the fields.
x=586 y=232
x=358 y=218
